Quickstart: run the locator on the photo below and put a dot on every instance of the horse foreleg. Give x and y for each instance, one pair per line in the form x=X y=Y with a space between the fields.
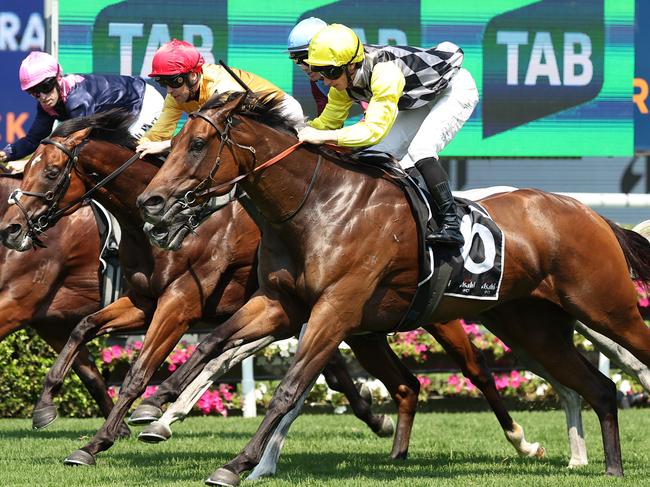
x=166 y=328
x=454 y=340
x=159 y=430
x=325 y=331
x=122 y=314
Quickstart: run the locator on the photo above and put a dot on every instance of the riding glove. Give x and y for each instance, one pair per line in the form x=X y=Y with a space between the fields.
x=315 y=136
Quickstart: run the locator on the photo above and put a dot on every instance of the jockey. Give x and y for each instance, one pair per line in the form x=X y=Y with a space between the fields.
x=419 y=100
x=298 y=45
x=65 y=97
x=179 y=67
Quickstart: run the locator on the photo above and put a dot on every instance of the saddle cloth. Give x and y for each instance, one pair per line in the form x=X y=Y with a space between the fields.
x=109 y=237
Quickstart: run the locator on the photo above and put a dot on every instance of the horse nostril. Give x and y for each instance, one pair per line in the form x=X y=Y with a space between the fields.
x=13 y=229
x=152 y=205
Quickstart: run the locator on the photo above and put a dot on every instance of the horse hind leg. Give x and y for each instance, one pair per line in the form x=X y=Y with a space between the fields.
x=571 y=403
x=159 y=430
x=454 y=340
x=544 y=331
x=617 y=354
x=376 y=356
x=338 y=379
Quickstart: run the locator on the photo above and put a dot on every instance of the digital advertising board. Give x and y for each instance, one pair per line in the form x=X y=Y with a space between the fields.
x=554 y=76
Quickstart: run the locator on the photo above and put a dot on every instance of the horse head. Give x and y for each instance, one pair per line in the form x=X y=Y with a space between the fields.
x=49 y=183
x=216 y=148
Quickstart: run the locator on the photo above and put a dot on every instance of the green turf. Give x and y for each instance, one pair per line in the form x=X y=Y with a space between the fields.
x=446 y=449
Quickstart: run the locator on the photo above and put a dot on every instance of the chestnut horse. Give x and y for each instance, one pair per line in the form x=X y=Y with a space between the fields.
x=210 y=276
x=341 y=254
x=51 y=289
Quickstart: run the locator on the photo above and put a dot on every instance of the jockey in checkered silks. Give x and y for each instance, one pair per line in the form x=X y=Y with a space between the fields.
x=418 y=101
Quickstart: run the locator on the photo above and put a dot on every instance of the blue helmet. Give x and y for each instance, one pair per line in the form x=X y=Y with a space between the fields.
x=302 y=33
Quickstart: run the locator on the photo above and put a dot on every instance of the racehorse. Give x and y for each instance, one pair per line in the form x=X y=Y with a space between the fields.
x=210 y=275
x=51 y=289
x=342 y=255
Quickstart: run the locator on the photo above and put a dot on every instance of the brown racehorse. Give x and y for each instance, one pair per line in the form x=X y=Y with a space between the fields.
x=209 y=276
x=343 y=256
x=51 y=289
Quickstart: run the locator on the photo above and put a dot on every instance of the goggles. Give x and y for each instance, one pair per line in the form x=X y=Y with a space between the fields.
x=329 y=72
x=298 y=57
x=43 y=87
x=173 y=81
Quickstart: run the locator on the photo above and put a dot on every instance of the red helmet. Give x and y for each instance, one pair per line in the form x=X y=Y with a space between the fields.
x=176 y=57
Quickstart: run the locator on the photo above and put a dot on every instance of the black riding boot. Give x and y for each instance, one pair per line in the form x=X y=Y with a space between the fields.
x=437 y=181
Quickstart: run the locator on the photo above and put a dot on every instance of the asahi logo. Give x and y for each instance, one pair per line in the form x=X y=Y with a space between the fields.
x=541 y=59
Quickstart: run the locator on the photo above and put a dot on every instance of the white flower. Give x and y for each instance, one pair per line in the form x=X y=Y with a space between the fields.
x=541 y=389
x=625 y=387
x=616 y=378
x=376 y=385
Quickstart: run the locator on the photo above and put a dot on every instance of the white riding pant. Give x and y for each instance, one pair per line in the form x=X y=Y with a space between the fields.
x=152 y=105
x=423 y=132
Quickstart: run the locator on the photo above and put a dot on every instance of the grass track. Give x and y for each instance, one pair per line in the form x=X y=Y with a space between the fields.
x=446 y=450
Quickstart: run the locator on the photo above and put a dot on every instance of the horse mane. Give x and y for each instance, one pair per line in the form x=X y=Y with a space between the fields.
x=263 y=107
x=110 y=126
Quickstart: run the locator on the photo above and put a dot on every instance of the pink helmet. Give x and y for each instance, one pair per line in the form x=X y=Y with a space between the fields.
x=37 y=67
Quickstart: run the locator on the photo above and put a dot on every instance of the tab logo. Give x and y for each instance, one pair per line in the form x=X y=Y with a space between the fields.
x=541 y=59
x=127 y=34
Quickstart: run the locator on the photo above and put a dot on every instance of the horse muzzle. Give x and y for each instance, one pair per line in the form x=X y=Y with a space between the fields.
x=15 y=236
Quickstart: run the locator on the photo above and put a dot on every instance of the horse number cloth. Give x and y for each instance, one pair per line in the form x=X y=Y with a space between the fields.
x=480 y=275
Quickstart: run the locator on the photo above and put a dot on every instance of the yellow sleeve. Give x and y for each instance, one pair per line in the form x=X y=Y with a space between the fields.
x=164 y=127
x=387 y=84
x=336 y=111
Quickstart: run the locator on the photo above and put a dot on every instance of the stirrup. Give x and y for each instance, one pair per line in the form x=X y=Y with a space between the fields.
x=445 y=235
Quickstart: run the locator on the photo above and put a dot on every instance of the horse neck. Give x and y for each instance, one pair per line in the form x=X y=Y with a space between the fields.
x=279 y=189
x=119 y=195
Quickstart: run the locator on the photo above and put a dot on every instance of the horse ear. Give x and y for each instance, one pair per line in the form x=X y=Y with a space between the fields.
x=76 y=137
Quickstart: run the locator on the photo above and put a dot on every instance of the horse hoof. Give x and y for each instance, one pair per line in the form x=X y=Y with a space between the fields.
x=387 y=427
x=80 y=457
x=223 y=477
x=123 y=432
x=155 y=433
x=43 y=417
x=145 y=414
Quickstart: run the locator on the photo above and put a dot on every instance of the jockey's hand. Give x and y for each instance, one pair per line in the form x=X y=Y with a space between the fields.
x=153 y=147
x=3 y=156
x=315 y=136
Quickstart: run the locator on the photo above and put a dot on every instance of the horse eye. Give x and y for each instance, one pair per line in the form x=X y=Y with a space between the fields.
x=197 y=145
x=52 y=172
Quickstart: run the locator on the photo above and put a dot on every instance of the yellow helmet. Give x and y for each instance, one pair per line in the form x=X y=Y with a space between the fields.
x=334 y=45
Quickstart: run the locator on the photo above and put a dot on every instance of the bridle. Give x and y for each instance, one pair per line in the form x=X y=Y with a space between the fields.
x=205 y=189
x=36 y=225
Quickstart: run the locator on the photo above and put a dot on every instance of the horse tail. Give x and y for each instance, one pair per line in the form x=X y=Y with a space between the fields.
x=636 y=249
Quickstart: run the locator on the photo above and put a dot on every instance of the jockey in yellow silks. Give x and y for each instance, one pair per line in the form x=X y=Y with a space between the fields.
x=418 y=101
